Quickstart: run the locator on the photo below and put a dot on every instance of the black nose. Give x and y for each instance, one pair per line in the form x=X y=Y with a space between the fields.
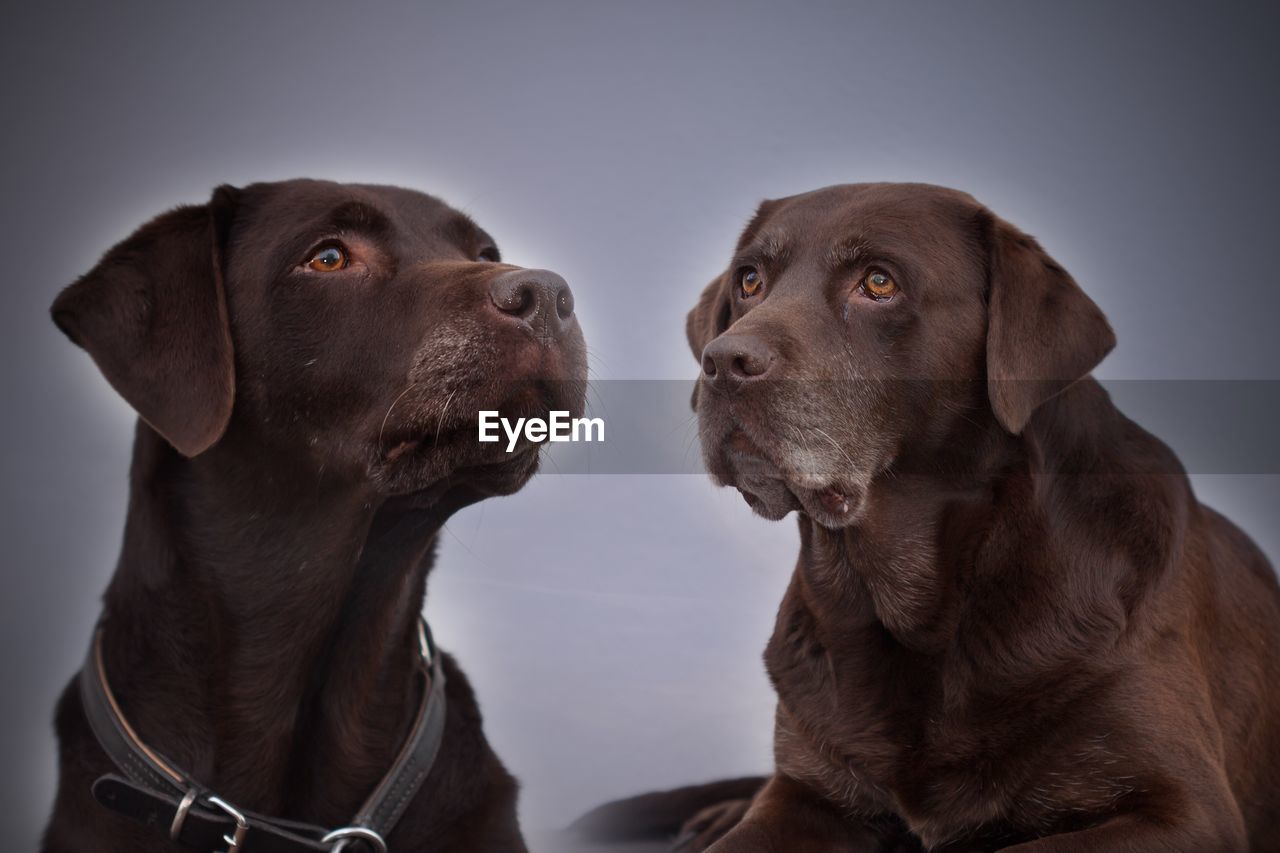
x=731 y=360
x=538 y=299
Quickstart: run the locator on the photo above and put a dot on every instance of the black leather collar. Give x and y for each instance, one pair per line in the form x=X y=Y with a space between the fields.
x=153 y=790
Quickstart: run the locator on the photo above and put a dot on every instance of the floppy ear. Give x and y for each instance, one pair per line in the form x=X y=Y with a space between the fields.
x=709 y=317
x=1043 y=332
x=153 y=316
x=706 y=321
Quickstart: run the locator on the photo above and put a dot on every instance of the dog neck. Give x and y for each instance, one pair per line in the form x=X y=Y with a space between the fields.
x=892 y=570
x=933 y=547
x=260 y=627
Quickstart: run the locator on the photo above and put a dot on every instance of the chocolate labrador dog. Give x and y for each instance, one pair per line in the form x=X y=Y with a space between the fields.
x=1011 y=625
x=307 y=360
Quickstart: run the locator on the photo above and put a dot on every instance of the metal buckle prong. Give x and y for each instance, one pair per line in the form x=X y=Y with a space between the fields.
x=180 y=817
x=363 y=833
x=242 y=825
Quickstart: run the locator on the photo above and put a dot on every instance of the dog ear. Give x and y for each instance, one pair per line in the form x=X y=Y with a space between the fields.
x=153 y=316
x=1043 y=332
x=709 y=317
x=706 y=321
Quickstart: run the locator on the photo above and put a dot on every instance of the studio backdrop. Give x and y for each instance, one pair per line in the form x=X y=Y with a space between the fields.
x=611 y=615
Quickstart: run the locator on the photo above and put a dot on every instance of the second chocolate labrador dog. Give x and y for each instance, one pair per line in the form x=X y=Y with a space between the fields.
x=307 y=360
x=1011 y=626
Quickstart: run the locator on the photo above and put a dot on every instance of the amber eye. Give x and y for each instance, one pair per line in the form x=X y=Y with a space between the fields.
x=329 y=259
x=878 y=285
x=750 y=281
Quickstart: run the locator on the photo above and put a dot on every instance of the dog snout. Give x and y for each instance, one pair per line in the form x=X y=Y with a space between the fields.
x=733 y=360
x=539 y=300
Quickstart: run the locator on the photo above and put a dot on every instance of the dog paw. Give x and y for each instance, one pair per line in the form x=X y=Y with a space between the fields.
x=709 y=825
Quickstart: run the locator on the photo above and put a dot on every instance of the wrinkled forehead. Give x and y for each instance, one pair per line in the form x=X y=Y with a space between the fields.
x=879 y=218
x=287 y=218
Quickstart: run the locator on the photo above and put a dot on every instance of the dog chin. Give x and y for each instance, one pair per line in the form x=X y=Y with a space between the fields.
x=834 y=509
x=429 y=461
x=430 y=475
x=773 y=495
x=770 y=499
x=505 y=476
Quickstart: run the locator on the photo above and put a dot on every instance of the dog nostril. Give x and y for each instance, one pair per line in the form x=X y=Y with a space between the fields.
x=749 y=365
x=539 y=299
x=525 y=301
x=734 y=359
x=517 y=299
x=564 y=303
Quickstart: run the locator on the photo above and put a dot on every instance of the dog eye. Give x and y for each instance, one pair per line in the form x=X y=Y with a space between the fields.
x=878 y=285
x=329 y=259
x=750 y=281
x=488 y=255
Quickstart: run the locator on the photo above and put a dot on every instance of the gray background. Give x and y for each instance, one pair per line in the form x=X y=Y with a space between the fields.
x=623 y=147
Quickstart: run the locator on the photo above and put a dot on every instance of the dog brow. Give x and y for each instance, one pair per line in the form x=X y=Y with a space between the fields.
x=358 y=216
x=847 y=253
x=463 y=229
x=772 y=249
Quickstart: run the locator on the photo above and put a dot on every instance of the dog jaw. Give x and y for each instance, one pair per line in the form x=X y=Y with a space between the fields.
x=427 y=440
x=773 y=489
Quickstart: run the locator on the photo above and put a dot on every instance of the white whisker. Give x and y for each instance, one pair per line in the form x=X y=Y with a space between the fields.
x=383 y=428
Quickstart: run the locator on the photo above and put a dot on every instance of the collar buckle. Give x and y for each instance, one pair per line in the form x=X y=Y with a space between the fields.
x=361 y=833
x=242 y=824
x=152 y=785
x=180 y=816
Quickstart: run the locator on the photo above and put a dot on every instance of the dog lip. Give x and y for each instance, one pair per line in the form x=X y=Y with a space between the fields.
x=400 y=449
x=409 y=437
x=834 y=501
x=771 y=490
x=529 y=397
x=833 y=506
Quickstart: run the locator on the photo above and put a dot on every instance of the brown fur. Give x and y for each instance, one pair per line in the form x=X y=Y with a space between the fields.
x=1011 y=625
x=303 y=436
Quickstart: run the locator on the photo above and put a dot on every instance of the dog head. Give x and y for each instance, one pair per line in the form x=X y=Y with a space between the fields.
x=354 y=330
x=857 y=325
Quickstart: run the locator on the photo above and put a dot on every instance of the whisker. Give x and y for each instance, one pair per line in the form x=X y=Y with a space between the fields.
x=383 y=428
x=444 y=412
x=838 y=448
